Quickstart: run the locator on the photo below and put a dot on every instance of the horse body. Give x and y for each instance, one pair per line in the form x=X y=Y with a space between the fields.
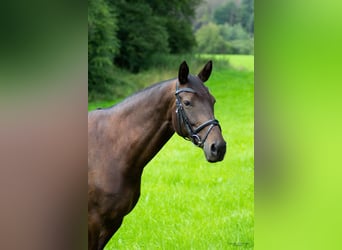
x=123 y=139
x=114 y=175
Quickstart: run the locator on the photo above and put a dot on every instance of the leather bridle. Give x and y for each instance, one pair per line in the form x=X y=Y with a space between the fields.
x=192 y=133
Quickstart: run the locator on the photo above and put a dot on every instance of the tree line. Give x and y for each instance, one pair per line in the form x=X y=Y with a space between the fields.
x=227 y=28
x=127 y=34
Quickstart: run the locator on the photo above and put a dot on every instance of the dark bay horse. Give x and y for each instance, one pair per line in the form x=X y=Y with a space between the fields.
x=124 y=138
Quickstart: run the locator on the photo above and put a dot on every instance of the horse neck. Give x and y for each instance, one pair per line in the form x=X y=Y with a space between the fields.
x=148 y=122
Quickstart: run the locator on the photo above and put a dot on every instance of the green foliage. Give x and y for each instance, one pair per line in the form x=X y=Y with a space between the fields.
x=228 y=13
x=148 y=28
x=247 y=15
x=210 y=40
x=235 y=13
x=141 y=33
x=236 y=32
x=181 y=38
x=242 y=47
x=102 y=45
x=231 y=24
x=136 y=35
x=128 y=34
x=224 y=39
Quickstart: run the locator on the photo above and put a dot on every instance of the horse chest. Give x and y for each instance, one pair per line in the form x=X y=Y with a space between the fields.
x=130 y=199
x=121 y=202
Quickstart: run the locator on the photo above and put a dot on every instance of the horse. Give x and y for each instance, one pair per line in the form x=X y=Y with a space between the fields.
x=122 y=139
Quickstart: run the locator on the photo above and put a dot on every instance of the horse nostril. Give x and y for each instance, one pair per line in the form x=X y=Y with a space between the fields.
x=218 y=149
x=213 y=148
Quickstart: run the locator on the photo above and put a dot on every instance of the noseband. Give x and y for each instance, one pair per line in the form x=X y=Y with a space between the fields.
x=192 y=133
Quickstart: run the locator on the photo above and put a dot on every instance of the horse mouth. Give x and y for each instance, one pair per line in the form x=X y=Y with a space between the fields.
x=214 y=159
x=215 y=152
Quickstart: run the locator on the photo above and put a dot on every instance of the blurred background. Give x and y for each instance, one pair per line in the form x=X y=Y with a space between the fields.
x=131 y=37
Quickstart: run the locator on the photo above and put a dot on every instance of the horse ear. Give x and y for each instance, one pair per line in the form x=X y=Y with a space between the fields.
x=206 y=71
x=183 y=73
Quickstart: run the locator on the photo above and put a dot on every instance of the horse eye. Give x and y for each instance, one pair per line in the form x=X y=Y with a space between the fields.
x=187 y=103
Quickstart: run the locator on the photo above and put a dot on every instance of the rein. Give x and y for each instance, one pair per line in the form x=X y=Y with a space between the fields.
x=192 y=134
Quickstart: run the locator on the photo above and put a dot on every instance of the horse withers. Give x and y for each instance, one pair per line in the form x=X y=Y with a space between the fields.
x=124 y=138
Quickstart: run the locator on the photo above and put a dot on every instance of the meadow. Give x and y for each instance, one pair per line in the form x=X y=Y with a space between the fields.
x=188 y=203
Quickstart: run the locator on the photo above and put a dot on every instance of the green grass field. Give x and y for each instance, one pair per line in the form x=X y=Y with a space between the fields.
x=188 y=203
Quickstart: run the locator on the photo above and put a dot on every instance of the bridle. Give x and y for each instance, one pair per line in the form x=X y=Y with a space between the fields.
x=192 y=133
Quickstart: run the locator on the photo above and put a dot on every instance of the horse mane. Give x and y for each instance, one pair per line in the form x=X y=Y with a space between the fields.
x=132 y=98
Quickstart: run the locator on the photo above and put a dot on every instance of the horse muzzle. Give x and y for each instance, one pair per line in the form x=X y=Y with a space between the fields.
x=215 y=151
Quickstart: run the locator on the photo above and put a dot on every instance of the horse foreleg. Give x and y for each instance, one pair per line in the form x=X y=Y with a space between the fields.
x=107 y=233
x=94 y=228
x=98 y=235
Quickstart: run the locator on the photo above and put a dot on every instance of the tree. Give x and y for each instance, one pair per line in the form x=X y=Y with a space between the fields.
x=141 y=33
x=151 y=27
x=219 y=39
x=102 y=44
x=228 y=13
x=247 y=15
x=210 y=40
x=178 y=17
x=181 y=37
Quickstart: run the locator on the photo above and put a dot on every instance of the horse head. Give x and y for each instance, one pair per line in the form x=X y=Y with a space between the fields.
x=194 y=117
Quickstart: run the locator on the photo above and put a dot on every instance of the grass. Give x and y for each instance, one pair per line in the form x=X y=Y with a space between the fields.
x=188 y=203
x=239 y=62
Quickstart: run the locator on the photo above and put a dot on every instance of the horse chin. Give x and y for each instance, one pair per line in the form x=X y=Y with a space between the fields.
x=212 y=159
